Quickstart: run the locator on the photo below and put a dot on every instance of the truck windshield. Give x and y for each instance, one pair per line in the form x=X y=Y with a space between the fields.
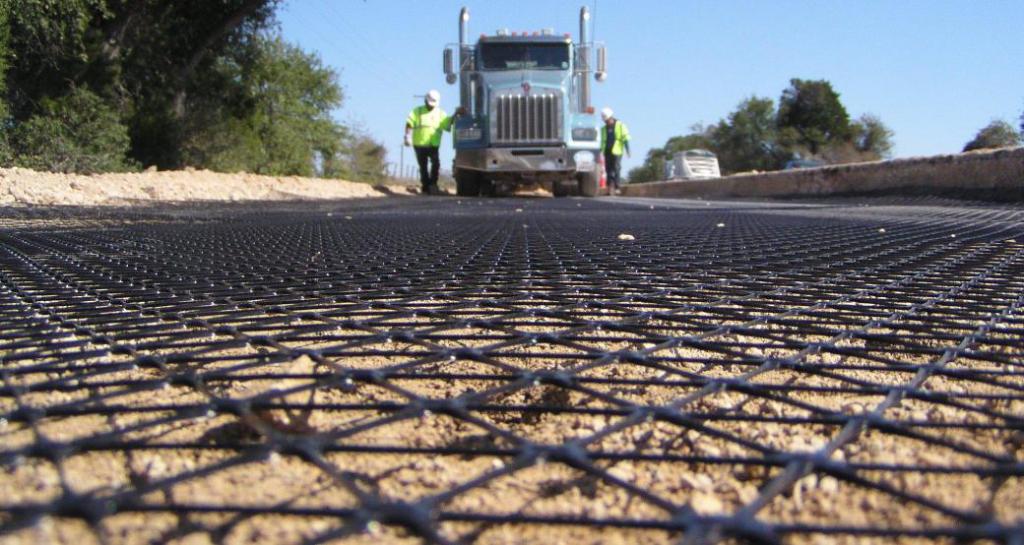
x=524 y=56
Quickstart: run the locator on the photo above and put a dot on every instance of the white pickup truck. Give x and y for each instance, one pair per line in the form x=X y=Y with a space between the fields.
x=694 y=164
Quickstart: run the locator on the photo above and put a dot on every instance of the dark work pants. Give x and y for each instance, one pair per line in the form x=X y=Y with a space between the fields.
x=612 y=166
x=423 y=153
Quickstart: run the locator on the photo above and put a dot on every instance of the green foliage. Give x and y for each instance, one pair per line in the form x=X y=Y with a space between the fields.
x=746 y=139
x=810 y=123
x=193 y=82
x=145 y=58
x=813 y=110
x=997 y=134
x=75 y=133
x=5 y=149
x=871 y=137
x=361 y=159
x=654 y=164
x=279 y=118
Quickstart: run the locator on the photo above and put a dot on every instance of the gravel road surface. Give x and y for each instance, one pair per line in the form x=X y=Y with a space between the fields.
x=513 y=371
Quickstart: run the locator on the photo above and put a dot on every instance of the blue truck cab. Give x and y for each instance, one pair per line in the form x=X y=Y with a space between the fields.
x=527 y=118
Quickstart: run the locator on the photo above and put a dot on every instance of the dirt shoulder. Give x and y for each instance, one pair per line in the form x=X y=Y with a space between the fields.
x=26 y=187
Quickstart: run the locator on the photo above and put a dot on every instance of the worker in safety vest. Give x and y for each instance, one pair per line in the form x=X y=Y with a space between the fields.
x=614 y=141
x=423 y=130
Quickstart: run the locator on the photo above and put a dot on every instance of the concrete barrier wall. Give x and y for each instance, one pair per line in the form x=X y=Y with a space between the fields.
x=988 y=175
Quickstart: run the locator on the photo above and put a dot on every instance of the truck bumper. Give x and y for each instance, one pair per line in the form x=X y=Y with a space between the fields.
x=526 y=163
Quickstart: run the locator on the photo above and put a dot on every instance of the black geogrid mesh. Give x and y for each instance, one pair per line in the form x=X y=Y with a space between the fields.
x=488 y=371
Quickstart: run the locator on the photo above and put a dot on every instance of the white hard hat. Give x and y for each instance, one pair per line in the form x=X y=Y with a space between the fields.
x=606 y=113
x=433 y=97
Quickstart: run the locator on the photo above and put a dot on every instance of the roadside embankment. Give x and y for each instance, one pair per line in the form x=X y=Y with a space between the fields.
x=26 y=187
x=988 y=175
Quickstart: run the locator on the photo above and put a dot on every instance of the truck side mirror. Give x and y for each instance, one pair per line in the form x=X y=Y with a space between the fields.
x=601 y=73
x=449 y=65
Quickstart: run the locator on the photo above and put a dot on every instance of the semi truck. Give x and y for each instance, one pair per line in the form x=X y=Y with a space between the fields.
x=527 y=117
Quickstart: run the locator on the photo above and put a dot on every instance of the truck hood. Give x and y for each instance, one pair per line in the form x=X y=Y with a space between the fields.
x=538 y=79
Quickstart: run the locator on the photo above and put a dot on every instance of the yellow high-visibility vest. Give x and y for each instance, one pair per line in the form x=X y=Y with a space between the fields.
x=621 y=137
x=428 y=125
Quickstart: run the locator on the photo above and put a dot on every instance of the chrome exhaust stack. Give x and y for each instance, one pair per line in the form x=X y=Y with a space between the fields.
x=465 y=59
x=583 y=59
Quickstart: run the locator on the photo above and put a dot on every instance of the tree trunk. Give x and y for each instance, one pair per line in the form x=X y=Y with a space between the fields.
x=223 y=29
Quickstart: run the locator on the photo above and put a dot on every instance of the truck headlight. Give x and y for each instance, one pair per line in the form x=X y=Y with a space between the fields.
x=584 y=133
x=473 y=133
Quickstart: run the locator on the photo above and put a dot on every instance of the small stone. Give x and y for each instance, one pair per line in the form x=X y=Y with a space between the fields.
x=706 y=503
x=699 y=482
x=881 y=230
x=746 y=493
x=519 y=209
x=626 y=236
x=720 y=225
x=828 y=484
x=711 y=451
x=622 y=471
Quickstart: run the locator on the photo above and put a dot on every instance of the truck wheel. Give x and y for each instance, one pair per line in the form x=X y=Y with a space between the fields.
x=590 y=184
x=488 y=188
x=562 y=189
x=467 y=183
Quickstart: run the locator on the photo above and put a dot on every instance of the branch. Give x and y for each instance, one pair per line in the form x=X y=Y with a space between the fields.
x=223 y=29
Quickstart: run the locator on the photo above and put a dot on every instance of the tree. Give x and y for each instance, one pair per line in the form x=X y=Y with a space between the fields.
x=813 y=110
x=5 y=149
x=278 y=119
x=146 y=58
x=75 y=133
x=872 y=138
x=653 y=167
x=997 y=134
x=810 y=122
x=361 y=159
x=746 y=139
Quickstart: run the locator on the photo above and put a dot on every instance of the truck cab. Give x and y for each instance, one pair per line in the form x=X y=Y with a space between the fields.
x=527 y=118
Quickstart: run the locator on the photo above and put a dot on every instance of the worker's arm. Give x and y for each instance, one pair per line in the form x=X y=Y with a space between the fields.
x=409 y=122
x=625 y=139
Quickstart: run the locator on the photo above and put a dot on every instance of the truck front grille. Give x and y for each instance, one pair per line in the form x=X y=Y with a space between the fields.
x=534 y=118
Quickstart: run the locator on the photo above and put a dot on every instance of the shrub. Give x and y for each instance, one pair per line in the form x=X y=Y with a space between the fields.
x=997 y=134
x=75 y=133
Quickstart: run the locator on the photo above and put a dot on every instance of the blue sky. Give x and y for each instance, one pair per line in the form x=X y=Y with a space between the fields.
x=935 y=71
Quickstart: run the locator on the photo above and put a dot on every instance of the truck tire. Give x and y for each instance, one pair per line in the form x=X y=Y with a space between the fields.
x=467 y=183
x=590 y=183
x=563 y=189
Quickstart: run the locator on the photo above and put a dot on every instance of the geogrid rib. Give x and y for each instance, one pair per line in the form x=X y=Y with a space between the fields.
x=471 y=371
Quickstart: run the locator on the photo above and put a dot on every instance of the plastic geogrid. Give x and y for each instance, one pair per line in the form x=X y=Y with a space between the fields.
x=470 y=371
